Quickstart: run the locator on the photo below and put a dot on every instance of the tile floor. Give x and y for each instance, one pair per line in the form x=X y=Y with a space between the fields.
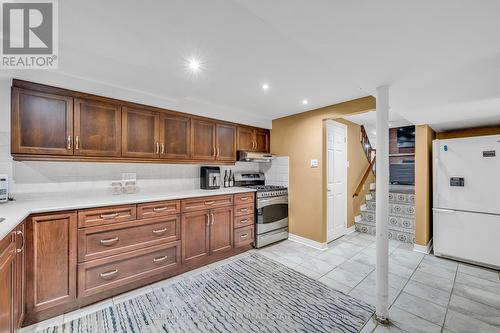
x=426 y=293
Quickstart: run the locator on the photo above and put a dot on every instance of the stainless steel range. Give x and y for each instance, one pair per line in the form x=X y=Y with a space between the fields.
x=271 y=208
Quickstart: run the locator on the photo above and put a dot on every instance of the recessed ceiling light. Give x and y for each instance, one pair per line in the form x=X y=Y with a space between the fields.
x=265 y=86
x=194 y=64
x=305 y=102
x=374 y=132
x=390 y=125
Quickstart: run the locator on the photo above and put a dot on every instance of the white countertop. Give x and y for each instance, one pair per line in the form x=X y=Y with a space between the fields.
x=15 y=212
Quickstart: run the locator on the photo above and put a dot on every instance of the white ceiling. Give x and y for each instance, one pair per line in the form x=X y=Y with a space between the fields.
x=440 y=57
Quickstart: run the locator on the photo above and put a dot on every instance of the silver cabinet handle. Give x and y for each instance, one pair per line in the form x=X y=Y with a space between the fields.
x=162 y=148
x=159 y=209
x=157 y=148
x=69 y=141
x=244 y=221
x=77 y=142
x=244 y=236
x=159 y=231
x=160 y=259
x=208 y=219
x=209 y=202
x=243 y=209
x=108 y=274
x=109 y=241
x=19 y=232
x=213 y=218
x=109 y=216
x=218 y=152
x=244 y=199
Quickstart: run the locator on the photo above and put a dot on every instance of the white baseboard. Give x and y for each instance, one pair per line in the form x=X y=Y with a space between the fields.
x=350 y=230
x=423 y=248
x=308 y=242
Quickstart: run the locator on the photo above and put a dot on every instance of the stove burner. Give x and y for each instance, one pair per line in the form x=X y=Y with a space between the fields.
x=263 y=188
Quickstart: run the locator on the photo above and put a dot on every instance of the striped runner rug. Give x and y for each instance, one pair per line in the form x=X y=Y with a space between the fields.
x=251 y=294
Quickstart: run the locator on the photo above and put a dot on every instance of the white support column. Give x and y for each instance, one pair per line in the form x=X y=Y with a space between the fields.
x=382 y=204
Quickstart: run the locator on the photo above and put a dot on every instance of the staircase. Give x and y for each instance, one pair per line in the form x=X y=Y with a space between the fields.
x=401 y=214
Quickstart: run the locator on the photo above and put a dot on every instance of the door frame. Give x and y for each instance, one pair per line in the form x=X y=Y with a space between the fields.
x=345 y=127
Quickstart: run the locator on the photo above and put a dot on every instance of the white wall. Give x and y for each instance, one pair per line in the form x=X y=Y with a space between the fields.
x=28 y=177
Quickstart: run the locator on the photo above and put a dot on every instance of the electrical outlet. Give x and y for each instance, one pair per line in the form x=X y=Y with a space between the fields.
x=129 y=176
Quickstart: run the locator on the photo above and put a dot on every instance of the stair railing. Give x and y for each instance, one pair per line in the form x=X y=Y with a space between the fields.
x=370 y=154
x=367 y=172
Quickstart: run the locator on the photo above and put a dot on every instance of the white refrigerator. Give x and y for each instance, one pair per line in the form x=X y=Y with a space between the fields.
x=466 y=199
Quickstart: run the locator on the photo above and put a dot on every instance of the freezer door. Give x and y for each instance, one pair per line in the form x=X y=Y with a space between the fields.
x=470 y=237
x=467 y=174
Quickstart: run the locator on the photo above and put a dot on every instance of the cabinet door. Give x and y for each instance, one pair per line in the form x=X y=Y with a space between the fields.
x=140 y=133
x=41 y=123
x=202 y=140
x=195 y=235
x=97 y=128
x=221 y=229
x=244 y=139
x=51 y=242
x=19 y=291
x=226 y=142
x=174 y=136
x=262 y=141
x=7 y=284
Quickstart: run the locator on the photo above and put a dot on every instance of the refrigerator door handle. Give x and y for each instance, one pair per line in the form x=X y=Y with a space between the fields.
x=446 y=211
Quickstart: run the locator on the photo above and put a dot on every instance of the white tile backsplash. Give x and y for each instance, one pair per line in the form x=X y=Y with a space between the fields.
x=276 y=172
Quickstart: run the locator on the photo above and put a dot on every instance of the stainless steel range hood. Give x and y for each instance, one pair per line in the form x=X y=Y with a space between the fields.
x=251 y=156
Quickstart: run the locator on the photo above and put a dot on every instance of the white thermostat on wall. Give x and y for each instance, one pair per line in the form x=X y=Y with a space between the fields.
x=314 y=163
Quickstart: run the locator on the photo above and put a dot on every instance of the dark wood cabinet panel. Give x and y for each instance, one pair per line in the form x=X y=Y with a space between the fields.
x=226 y=142
x=41 y=123
x=20 y=281
x=245 y=138
x=262 y=141
x=195 y=237
x=7 y=284
x=202 y=140
x=221 y=229
x=51 y=249
x=174 y=137
x=97 y=128
x=140 y=133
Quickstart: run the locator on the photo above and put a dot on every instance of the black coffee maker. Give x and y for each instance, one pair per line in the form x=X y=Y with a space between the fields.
x=209 y=178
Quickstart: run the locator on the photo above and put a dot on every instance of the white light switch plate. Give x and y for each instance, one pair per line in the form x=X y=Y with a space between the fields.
x=314 y=163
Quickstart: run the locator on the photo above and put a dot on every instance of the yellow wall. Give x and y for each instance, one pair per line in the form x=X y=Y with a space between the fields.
x=301 y=137
x=463 y=133
x=423 y=183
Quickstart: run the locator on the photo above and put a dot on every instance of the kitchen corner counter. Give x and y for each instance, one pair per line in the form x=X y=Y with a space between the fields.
x=17 y=211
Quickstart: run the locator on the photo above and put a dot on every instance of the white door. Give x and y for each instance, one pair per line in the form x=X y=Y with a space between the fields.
x=336 y=179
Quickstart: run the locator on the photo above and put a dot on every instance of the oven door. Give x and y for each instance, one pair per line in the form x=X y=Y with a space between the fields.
x=272 y=213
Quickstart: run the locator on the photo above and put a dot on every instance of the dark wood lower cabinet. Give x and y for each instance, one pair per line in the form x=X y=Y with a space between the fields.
x=51 y=265
x=51 y=251
x=7 y=283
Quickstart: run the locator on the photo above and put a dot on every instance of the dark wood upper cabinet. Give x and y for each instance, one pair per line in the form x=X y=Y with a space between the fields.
x=97 y=128
x=7 y=283
x=221 y=229
x=262 y=141
x=41 y=123
x=174 y=136
x=202 y=140
x=51 y=253
x=245 y=138
x=195 y=235
x=226 y=142
x=252 y=139
x=140 y=133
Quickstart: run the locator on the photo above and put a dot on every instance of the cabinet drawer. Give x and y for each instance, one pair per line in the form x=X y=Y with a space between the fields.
x=244 y=198
x=104 y=241
x=194 y=204
x=245 y=209
x=243 y=236
x=106 y=215
x=156 y=209
x=104 y=274
x=244 y=221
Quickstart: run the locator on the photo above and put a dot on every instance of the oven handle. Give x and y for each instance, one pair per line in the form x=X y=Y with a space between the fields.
x=261 y=203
